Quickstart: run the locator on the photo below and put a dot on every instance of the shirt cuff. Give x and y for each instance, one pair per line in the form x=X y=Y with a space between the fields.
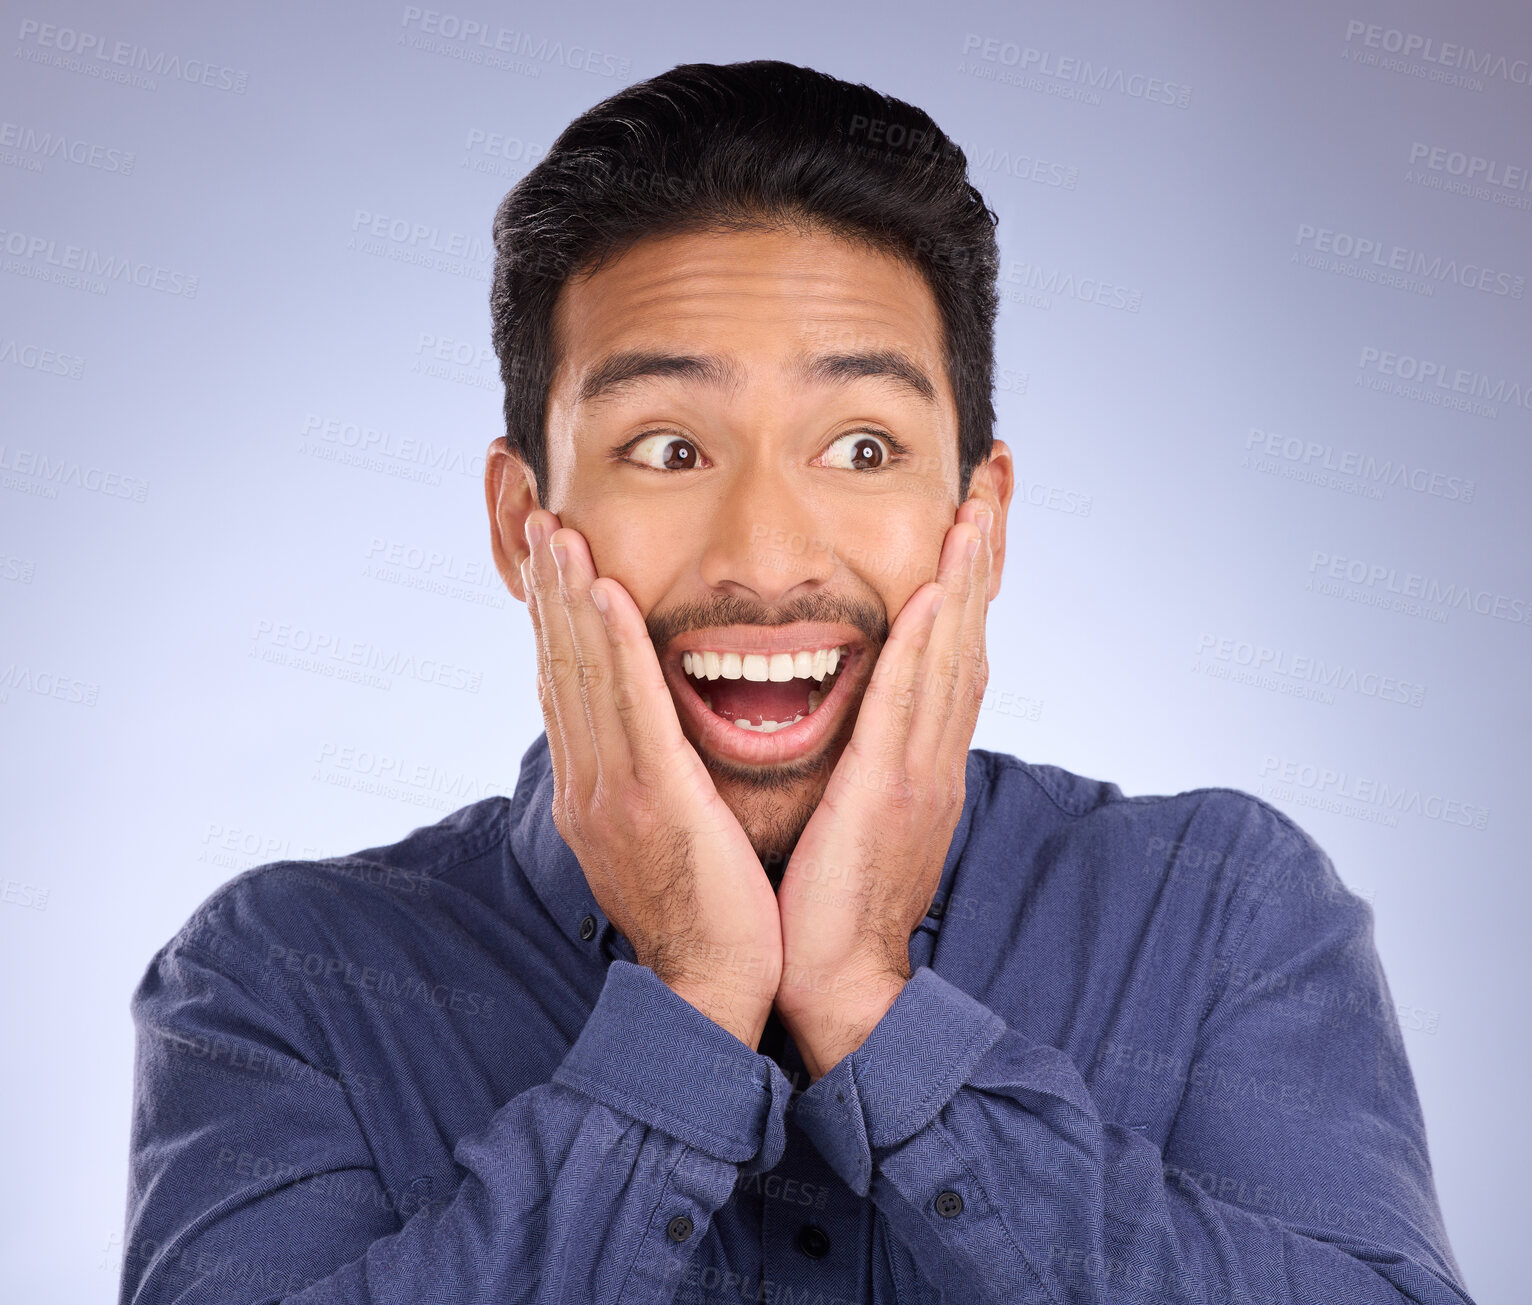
x=900 y=1078
x=650 y=1054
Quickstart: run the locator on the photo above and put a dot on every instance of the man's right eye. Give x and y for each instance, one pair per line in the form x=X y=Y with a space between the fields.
x=665 y=451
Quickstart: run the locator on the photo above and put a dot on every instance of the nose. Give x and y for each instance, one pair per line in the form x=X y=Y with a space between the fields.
x=764 y=540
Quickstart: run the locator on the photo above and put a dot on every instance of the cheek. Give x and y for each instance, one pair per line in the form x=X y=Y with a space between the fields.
x=895 y=550
x=642 y=555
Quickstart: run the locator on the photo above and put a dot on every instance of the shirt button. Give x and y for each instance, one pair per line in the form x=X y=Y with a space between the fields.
x=587 y=928
x=679 y=1228
x=813 y=1241
x=949 y=1205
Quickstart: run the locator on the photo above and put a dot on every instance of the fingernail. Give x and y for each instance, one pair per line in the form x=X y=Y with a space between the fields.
x=598 y=596
x=558 y=556
x=936 y=603
x=536 y=531
x=984 y=520
x=973 y=547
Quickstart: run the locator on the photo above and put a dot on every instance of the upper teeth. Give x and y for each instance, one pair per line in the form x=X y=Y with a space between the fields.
x=762 y=666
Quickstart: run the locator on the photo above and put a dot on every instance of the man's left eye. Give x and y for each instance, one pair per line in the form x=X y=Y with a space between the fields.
x=864 y=450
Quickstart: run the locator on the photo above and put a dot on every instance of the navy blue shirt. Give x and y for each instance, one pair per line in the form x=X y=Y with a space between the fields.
x=1147 y=1053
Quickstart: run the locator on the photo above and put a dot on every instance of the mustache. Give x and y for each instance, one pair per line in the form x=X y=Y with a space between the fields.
x=868 y=616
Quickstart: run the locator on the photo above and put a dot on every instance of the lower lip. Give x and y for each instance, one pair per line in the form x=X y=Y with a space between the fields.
x=723 y=738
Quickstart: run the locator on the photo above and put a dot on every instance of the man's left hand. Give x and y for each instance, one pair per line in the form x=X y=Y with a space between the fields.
x=867 y=866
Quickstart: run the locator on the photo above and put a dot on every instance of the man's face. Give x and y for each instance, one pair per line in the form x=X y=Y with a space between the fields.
x=753 y=504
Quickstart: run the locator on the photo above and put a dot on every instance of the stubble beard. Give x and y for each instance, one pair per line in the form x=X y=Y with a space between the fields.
x=773 y=804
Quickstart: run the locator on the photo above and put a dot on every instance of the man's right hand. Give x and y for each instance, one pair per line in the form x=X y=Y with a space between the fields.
x=663 y=853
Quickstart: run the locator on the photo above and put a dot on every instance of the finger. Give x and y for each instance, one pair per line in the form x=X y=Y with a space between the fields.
x=975 y=658
x=883 y=719
x=560 y=667
x=598 y=690
x=944 y=670
x=641 y=697
x=544 y=684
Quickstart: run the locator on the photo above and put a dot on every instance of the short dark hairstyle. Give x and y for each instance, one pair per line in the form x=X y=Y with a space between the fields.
x=744 y=146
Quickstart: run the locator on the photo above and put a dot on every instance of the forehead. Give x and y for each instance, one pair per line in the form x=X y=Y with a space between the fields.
x=752 y=295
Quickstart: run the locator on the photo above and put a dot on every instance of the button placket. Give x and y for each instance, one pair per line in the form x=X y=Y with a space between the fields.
x=798 y=1241
x=813 y=1241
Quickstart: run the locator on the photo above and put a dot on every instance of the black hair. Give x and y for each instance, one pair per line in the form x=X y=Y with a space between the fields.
x=744 y=146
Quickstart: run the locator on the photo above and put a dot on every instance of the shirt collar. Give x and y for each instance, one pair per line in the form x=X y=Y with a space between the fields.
x=555 y=875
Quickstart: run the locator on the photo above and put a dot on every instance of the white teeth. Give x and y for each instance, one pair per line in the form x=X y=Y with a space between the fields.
x=776 y=667
x=768 y=726
x=779 y=667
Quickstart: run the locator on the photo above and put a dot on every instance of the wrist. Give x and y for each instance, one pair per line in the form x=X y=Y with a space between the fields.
x=738 y=1009
x=828 y=1027
x=734 y=987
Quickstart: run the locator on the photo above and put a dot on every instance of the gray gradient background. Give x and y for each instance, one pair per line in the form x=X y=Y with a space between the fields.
x=207 y=512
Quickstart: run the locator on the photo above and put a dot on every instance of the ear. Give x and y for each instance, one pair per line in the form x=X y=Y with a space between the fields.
x=994 y=481
x=510 y=493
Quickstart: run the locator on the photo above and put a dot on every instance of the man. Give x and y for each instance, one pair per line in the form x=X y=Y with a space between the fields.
x=764 y=985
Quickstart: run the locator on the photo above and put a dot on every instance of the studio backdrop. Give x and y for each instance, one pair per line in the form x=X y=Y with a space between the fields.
x=1264 y=360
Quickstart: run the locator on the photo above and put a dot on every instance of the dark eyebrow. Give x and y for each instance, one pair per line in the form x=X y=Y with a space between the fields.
x=889 y=364
x=626 y=366
x=623 y=368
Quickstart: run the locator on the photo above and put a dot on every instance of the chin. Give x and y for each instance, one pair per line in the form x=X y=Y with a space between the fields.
x=773 y=804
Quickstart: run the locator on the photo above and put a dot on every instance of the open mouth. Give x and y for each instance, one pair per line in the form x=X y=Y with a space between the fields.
x=754 y=691
x=765 y=707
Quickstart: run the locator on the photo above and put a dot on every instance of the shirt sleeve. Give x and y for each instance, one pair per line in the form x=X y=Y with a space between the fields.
x=596 y=1186
x=987 y=1155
